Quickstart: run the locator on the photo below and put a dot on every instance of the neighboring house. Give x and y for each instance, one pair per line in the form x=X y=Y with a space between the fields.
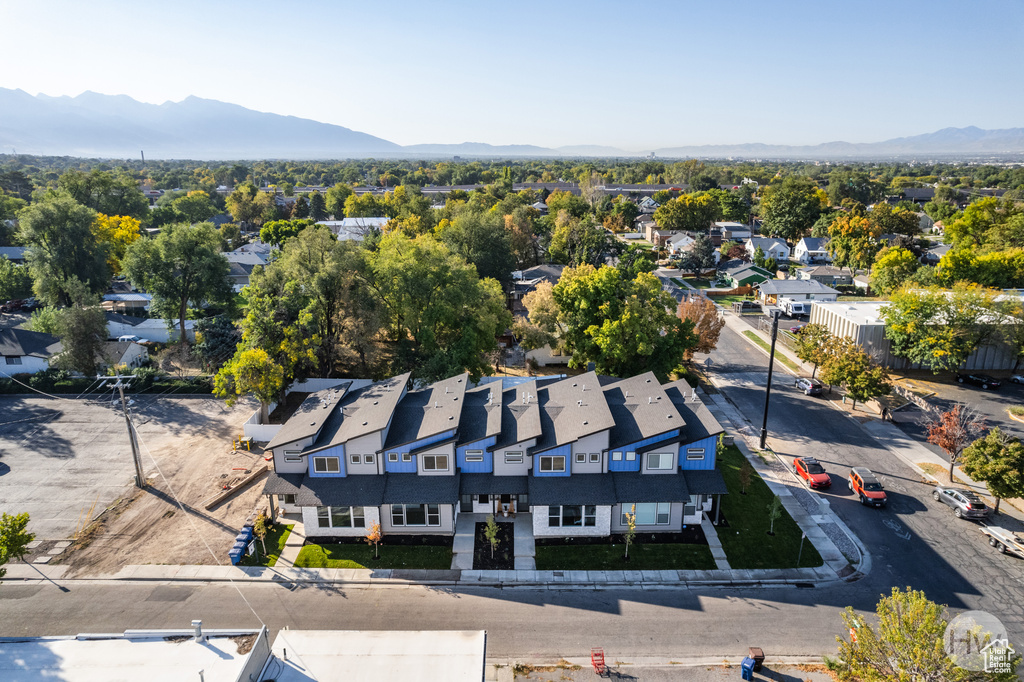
x=257 y=247
x=525 y=281
x=25 y=352
x=734 y=231
x=648 y=205
x=744 y=274
x=238 y=275
x=660 y=237
x=354 y=229
x=678 y=243
x=772 y=247
x=862 y=282
x=925 y=223
x=771 y=291
x=644 y=222
x=863 y=323
x=250 y=258
x=826 y=274
x=541 y=207
x=160 y=331
x=15 y=254
x=811 y=250
x=127 y=302
x=933 y=255
x=574 y=453
x=123 y=354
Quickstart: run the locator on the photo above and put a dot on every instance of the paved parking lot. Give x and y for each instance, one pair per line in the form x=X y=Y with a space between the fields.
x=62 y=459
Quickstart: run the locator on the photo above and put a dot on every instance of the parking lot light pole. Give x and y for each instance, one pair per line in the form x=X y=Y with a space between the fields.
x=771 y=366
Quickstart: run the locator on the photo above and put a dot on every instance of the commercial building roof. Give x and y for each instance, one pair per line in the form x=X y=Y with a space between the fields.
x=783 y=287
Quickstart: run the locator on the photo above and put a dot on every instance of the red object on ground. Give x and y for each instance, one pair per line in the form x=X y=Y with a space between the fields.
x=597 y=660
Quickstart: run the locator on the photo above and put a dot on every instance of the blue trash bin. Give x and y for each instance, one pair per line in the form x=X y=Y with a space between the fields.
x=747 y=668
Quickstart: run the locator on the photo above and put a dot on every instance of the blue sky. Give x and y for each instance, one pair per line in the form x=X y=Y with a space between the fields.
x=636 y=75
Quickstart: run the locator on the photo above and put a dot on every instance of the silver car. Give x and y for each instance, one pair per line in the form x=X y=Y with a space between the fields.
x=965 y=504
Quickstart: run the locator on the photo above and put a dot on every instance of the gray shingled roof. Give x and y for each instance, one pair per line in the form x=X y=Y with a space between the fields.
x=571 y=409
x=700 y=423
x=578 y=489
x=429 y=411
x=415 y=489
x=310 y=417
x=16 y=342
x=549 y=272
x=341 y=491
x=640 y=409
x=706 y=482
x=481 y=415
x=489 y=484
x=794 y=286
x=520 y=415
x=633 y=486
x=362 y=412
x=814 y=243
x=123 y=319
x=283 y=484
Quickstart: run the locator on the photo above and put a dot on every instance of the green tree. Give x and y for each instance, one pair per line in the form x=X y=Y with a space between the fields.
x=481 y=239
x=630 y=533
x=182 y=266
x=624 y=327
x=300 y=210
x=217 y=339
x=62 y=248
x=636 y=259
x=82 y=328
x=998 y=460
x=893 y=267
x=578 y=242
x=250 y=206
x=14 y=538
x=259 y=529
x=194 y=207
x=15 y=280
x=689 y=212
x=774 y=513
x=250 y=372
x=791 y=207
x=703 y=251
x=317 y=206
x=852 y=184
x=894 y=220
x=336 y=197
x=107 y=192
x=491 y=531
x=277 y=232
x=906 y=645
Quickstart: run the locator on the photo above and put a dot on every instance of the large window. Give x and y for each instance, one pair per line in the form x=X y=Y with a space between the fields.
x=13 y=359
x=572 y=515
x=435 y=462
x=415 y=515
x=648 y=513
x=552 y=463
x=659 y=460
x=286 y=499
x=326 y=465
x=340 y=517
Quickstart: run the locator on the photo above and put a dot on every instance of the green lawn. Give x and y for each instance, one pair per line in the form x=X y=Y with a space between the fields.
x=728 y=300
x=662 y=556
x=361 y=556
x=699 y=283
x=275 y=540
x=779 y=357
x=746 y=541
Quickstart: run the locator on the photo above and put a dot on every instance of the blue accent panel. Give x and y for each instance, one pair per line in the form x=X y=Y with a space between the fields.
x=484 y=467
x=562 y=451
x=337 y=451
x=623 y=464
x=709 y=444
x=401 y=467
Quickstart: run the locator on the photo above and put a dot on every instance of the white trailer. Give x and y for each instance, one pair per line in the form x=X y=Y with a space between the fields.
x=1005 y=541
x=795 y=308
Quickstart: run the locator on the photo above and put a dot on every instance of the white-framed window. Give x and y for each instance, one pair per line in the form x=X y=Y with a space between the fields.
x=659 y=461
x=392 y=456
x=581 y=458
x=630 y=456
x=13 y=359
x=695 y=453
x=406 y=457
x=415 y=515
x=595 y=457
x=340 y=517
x=474 y=455
x=648 y=513
x=368 y=459
x=292 y=456
x=572 y=516
x=513 y=457
x=552 y=463
x=355 y=459
x=435 y=462
x=286 y=499
x=616 y=456
x=326 y=465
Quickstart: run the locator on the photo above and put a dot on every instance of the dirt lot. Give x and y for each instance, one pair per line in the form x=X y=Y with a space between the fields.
x=66 y=456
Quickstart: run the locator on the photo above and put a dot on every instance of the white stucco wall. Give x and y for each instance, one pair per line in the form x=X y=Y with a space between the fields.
x=541 y=528
x=371 y=515
x=28 y=365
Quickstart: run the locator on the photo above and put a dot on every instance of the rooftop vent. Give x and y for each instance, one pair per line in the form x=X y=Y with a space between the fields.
x=585 y=422
x=648 y=400
x=580 y=403
x=312 y=423
x=436 y=405
x=364 y=423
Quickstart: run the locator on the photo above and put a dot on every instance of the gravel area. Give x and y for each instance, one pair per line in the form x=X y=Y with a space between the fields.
x=807 y=500
x=841 y=540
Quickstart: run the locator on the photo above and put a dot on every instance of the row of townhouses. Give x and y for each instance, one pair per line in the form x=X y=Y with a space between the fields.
x=576 y=453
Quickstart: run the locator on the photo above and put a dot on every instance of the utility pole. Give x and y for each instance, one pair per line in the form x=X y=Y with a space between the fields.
x=771 y=366
x=140 y=479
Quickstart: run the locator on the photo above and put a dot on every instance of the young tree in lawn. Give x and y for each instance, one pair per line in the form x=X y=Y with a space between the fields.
x=998 y=460
x=707 y=323
x=745 y=475
x=774 y=513
x=14 y=538
x=259 y=529
x=954 y=430
x=373 y=537
x=491 y=533
x=630 y=533
x=812 y=345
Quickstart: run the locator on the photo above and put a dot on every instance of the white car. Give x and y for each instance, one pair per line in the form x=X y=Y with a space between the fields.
x=1017 y=378
x=132 y=337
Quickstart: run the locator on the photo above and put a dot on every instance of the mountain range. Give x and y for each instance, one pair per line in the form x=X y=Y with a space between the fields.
x=117 y=126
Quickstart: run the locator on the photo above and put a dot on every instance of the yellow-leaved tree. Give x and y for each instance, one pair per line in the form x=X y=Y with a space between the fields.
x=250 y=372
x=117 y=232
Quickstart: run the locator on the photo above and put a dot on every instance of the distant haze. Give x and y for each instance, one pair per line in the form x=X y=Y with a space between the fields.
x=117 y=126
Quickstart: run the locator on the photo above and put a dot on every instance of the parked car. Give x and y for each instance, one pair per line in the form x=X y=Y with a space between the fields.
x=867 y=486
x=809 y=386
x=1005 y=541
x=1017 y=378
x=811 y=471
x=132 y=337
x=985 y=381
x=30 y=304
x=797 y=328
x=965 y=504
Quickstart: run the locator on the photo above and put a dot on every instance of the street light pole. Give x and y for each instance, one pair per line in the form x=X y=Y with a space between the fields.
x=140 y=478
x=771 y=366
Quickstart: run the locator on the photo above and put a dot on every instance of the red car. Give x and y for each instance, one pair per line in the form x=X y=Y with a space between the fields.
x=811 y=471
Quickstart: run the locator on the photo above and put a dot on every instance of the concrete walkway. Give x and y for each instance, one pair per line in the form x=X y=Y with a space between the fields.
x=711 y=535
x=294 y=542
x=465 y=539
x=525 y=546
